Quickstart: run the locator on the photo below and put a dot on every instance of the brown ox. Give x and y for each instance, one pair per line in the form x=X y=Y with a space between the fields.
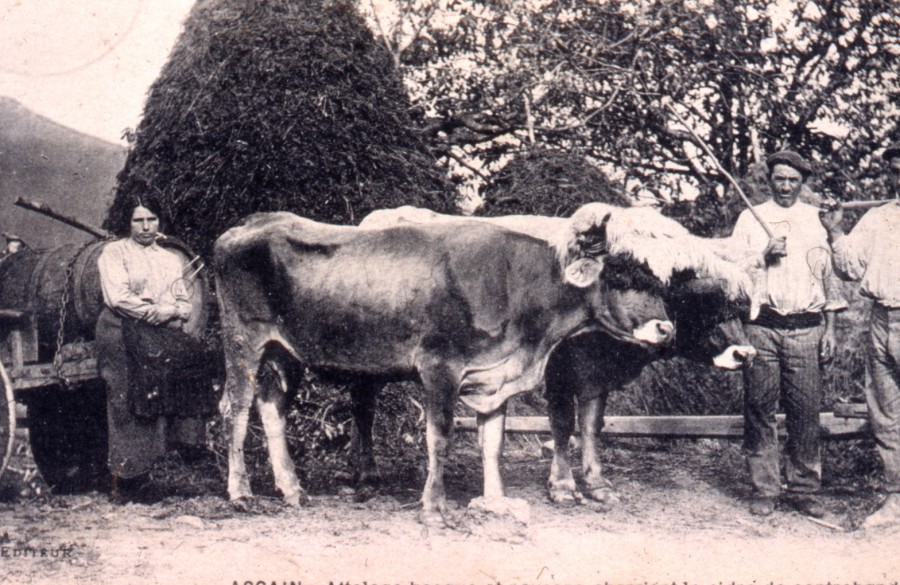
x=473 y=312
x=707 y=313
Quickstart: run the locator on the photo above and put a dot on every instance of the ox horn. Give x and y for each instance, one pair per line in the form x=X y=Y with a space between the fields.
x=592 y=241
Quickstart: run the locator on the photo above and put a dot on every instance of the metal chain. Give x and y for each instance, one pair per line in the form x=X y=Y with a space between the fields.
x=63 y=313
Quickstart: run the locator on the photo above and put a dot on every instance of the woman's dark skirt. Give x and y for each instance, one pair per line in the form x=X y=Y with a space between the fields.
x=136 y=441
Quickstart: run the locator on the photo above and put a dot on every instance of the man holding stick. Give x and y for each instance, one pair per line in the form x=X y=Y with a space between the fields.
x=793 y=334
x=871 y=254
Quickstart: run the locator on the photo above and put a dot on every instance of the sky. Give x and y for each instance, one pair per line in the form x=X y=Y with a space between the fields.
x=86 y=64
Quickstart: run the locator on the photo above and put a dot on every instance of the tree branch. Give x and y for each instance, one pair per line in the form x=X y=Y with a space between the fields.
x=466 y=164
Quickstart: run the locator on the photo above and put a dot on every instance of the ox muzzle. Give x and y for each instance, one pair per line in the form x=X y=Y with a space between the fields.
x=655 y=332
x=735 y=357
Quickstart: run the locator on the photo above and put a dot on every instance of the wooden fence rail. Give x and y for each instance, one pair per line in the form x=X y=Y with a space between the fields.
x=842 y=424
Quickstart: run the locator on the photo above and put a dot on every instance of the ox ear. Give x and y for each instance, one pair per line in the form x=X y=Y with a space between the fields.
x=583 y=272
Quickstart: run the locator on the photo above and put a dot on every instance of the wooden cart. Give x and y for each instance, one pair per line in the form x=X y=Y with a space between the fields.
x=25 y=381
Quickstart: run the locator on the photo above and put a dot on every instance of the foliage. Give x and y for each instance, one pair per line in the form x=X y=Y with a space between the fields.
x=275 y=105
x=679 y=386
x=843 y=380
x=608 y=78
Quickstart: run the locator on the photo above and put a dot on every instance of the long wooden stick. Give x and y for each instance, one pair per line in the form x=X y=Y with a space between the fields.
x=834 y=527
x=722 y=170
x=864 y=204
x=193 y=274
x=70 y=221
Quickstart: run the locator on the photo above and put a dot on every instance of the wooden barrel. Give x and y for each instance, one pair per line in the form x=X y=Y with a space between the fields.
x=36 y=281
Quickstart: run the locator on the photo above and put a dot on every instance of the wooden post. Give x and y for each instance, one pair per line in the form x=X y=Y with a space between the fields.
x=864 y=204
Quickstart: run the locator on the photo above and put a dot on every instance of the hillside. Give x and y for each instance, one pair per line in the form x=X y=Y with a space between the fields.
x=41 y=160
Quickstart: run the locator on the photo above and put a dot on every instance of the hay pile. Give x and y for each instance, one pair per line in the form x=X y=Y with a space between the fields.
x=275 y=105
x=548 y=182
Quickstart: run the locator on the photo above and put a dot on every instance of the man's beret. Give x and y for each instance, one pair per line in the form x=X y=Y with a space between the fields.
x=791 y=159
x=892 y=151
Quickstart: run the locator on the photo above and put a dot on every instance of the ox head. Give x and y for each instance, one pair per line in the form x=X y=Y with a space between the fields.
x=710 y=328
x=627 y=299
x=660 y=246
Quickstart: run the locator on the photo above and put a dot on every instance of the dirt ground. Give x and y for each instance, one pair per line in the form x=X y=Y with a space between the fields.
x=682 y=519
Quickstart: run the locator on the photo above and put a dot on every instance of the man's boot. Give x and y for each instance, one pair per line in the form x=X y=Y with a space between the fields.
x=808 y=505
x=887 y=515
x=762 y=505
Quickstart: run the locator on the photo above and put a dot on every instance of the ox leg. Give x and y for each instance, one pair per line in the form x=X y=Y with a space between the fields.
x=590 y=415
x=440 y=398
x=238 y=480
x=362 y=450
x=240 y=386
x=271 y=404
x=561 y=483
x=491 y=438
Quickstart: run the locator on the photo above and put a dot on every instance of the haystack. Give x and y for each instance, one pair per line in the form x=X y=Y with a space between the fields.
x=550 y=182
x=276 y=105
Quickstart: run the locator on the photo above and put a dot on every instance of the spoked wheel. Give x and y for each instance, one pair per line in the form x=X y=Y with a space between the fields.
x=68 y=433
x=7 y=420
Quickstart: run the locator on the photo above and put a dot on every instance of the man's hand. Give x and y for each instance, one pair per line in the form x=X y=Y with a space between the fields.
x=827 y=345
x=159 y=314
x=831 y=215
x=776 y=248
x=182 y=310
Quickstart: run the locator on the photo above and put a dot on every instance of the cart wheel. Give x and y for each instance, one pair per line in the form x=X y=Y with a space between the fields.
x=7 y=420
x=68 y=433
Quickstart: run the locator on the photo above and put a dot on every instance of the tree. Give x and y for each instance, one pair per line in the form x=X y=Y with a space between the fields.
x=500 y=81
x=607 y=78
x=276 y=105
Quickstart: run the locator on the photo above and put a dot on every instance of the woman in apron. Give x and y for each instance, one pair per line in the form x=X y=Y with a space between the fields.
x=141 y=347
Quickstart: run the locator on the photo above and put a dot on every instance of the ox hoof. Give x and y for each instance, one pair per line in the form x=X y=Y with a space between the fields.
x=499 y=518
x=365 y=492
x=437 y=519
x=366 y=485
x=606 y=496
x=296 y=499
x=243 y=504
x=565 y=497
